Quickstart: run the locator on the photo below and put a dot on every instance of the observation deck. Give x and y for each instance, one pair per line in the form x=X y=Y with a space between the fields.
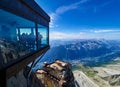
x=24 y=36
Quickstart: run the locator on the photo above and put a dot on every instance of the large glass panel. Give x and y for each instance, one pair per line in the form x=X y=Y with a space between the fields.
x=17 y=37
x=42 y=36
x=27 y=37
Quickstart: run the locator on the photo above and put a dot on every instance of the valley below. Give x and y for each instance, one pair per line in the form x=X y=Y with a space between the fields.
x=95 y=63
x=106 y=75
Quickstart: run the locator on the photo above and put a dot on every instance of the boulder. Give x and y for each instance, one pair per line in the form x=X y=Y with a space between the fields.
x=56 y=74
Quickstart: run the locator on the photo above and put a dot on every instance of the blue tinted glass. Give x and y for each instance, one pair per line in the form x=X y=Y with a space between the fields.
x=42 y=36
x=17 y=37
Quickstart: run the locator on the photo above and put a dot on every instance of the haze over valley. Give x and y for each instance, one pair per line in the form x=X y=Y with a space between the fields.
x=97 y=61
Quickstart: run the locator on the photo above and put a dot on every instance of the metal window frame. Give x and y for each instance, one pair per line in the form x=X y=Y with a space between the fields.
x=43 y=19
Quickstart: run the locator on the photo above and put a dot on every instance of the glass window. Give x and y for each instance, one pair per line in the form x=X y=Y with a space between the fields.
x=17 y=37
x=42 y=36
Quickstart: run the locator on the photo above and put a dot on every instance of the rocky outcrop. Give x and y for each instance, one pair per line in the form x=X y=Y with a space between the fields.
x=82 y=80
x=112 y=76
x=10 y=51
x=56 y=74
x=114 y=80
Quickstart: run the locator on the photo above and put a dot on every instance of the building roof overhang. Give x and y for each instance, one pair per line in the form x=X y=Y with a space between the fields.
x=28 y=9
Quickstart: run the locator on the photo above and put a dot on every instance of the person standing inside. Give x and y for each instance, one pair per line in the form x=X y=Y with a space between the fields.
x=39 y=39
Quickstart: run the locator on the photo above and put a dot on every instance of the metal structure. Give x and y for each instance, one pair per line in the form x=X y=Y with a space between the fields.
x=24 y=36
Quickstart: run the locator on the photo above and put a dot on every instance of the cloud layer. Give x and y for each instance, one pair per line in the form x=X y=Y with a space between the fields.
x=61 y=35
x=88 y=34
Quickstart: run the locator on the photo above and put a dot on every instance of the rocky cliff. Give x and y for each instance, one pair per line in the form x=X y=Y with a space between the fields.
x=56 y=74
x=83 y=80
x=114 y=80
x=10 y=51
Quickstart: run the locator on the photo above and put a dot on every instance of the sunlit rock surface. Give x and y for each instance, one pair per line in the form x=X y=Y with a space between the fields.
x=56 y=74
x=82 y=80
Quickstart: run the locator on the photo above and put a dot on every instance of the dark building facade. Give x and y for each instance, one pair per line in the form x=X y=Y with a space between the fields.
x=24 y=36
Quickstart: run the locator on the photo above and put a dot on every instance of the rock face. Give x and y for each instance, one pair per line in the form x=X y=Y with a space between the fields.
x=82 y=80
x=112 y=76
x=56 y=74
x=10 y=51
x=114 y=80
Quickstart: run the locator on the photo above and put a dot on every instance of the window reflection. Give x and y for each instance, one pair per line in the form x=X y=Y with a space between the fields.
x=27 y=38
x=42 y=36
x=19 y=37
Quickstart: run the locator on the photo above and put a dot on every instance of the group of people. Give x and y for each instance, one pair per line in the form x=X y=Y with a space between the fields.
x=29 y=40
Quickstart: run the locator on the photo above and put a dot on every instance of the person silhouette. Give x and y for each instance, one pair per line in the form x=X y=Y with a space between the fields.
x=31 y=40
x=39 y=39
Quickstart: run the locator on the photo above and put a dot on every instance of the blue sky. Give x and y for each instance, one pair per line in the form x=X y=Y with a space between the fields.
x=83 y=19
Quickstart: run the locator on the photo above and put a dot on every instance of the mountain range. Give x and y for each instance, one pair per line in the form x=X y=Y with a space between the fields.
x=88 y=52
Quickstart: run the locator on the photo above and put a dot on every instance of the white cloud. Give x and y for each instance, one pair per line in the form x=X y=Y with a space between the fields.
x=60 y=35
x=62 y=9
x=53 y=17
x=105 y=30
x=88 y=34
